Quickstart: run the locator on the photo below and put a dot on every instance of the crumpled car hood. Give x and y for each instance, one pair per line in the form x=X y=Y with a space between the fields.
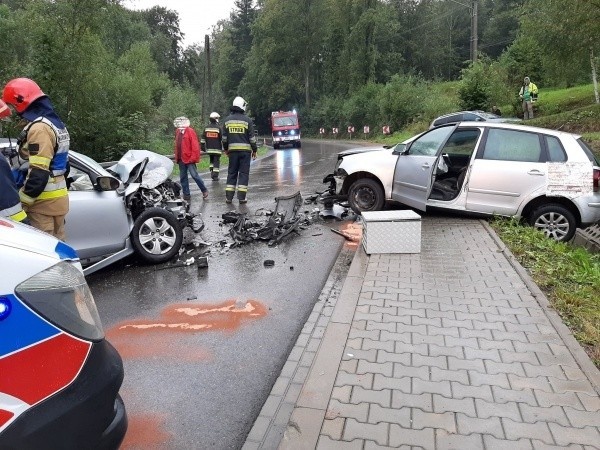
x=353 y=151
x=156 y=171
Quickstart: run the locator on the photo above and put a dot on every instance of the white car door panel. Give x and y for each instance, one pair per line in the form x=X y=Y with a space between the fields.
x=414 y=169
x=507 y=172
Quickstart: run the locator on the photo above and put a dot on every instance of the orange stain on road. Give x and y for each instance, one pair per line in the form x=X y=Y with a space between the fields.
x=145 y=338
x=146 y=432
x=354 y=231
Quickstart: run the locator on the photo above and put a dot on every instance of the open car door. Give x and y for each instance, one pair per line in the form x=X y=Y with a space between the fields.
x=414 y=171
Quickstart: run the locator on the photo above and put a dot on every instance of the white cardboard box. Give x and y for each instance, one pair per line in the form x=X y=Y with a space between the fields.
x=391 y=232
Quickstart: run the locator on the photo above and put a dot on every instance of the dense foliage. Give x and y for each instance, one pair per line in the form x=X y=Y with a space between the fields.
x=119 y=77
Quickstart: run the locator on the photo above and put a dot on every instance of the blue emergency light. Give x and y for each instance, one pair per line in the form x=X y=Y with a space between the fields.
x=5 y=308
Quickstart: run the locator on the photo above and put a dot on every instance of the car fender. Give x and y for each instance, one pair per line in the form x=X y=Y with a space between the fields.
x=381 y=164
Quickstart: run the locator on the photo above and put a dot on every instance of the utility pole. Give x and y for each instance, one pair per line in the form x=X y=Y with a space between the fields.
x=208 y=72
x=474 y=31
x=473 y=8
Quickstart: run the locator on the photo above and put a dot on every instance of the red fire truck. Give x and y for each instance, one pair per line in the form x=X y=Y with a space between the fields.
x=285 y=128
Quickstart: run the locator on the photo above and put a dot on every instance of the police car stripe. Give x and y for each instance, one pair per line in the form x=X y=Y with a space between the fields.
x=25 y=327
x=10 y=408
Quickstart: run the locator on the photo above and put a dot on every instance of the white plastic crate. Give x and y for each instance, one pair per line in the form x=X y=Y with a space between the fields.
x=391 y=232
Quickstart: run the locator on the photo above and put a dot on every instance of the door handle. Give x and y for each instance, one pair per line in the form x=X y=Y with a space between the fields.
x=536 y=172
x=426 y=166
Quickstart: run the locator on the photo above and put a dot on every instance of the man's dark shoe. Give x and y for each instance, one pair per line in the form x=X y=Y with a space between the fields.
x=187 y=198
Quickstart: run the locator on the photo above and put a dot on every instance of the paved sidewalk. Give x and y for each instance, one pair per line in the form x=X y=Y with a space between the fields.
x=454 y=347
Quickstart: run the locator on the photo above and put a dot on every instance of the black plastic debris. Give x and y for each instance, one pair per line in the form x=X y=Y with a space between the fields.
x=268 y=263
x=278 y=224
x=202 y=262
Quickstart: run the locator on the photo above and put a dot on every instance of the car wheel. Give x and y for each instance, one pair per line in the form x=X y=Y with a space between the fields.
x=365 y=194
x=555 y=221
x=156 y=235
x=276 y=146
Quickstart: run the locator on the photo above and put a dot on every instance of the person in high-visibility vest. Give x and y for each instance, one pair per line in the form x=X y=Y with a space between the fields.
x=211 y=144
x=239 y=143
x=43 y=150
x=528 y=94
x=10 y=203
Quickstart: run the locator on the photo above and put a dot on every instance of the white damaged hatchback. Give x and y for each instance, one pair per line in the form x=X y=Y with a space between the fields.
x=549 y=178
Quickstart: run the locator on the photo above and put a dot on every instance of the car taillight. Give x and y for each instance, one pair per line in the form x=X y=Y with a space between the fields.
x=61 y=295
x=596 y=180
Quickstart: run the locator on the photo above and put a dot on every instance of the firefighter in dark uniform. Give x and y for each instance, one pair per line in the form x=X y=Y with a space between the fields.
x=10 y=203
x=239 y=144
x=43 y=145
x=211 y=144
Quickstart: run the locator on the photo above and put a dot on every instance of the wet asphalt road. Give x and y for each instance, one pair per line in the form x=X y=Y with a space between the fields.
x=202 y=347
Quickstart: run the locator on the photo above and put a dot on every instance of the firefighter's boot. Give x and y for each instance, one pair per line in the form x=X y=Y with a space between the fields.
x=229 y=196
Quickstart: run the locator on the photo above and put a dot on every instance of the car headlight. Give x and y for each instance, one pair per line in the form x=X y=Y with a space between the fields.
x=279 y=133
x=292 y=132
x=61 y=295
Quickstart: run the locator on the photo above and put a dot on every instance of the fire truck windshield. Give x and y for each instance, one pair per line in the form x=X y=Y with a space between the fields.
x=285 y=121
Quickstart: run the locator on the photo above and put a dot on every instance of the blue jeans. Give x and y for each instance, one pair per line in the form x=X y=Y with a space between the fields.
x=185 y=182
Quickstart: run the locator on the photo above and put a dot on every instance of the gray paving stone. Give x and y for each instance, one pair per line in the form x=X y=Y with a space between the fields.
x=367 y=355
x=444 y=421
x=337 y=409
x=348 y=366
x=333 y=428
x=259 y=429
x=399 y=416
x=326 y=443
x=431 y=387
x=518 y=430
x=502 y=444
x=434 y=361
x=589 y=402
x=387 y=357
x=450 y=441
x=538 y=445
x=509 y=410
x=386 y=369
x=443 y=404
x=341 y=393
x=468 y=425
x=582 y=419
x=351 y=379
x=369 y=344
x=381 y=382
x=418 y=438
x=479 y=379
x=422 y=401
x=460 y=376
x=383 y=398
x=554 y=414
x=483 y=392
x=535 y=383
x=582 y=386
x=393 y=336
x=366 y=431
x=529 y=358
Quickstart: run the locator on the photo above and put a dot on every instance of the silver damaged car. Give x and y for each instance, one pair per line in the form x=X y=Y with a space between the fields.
x=549 y=178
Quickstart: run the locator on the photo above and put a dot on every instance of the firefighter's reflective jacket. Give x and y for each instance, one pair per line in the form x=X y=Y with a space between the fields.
x=10 y=204
x=238 y=132
x=211 y=139
x=46 y=148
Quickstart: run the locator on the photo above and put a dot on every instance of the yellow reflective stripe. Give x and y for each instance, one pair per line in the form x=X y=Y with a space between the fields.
x=214 y=130
x=48 y=195
x=40 y=161
x=230 y=187
x=19 y=217
x=243 y=188
x=26 y=199
x=240 y=147
x=53 y=186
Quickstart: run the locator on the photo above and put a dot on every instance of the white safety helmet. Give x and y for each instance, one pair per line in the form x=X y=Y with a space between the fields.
x=240 y=103
x=181 y=122
x=215 y=115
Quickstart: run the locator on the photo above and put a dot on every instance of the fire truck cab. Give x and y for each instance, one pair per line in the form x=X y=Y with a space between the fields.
x=285 y=128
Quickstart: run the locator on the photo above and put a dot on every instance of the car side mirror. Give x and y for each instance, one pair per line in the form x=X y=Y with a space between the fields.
x=104 y=183
x=400 y=149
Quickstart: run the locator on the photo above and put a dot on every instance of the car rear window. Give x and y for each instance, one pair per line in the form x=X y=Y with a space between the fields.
x=589 y=153
x=556 y=152
x=511 y=145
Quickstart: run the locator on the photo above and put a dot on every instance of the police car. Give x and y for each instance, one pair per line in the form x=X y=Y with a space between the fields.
x=59 y=377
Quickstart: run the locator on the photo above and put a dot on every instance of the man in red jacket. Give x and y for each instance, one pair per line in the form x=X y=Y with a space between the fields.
x=187 y=154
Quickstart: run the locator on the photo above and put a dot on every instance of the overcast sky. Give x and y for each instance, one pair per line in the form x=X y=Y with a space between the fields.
x=196 y=17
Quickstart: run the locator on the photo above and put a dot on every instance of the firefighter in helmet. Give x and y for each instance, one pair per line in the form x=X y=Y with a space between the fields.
x=211 y=144
x=10 y=203
x=239 y=144
x=43 y=152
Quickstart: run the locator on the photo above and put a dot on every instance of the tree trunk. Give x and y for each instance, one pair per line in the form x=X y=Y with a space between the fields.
x=307 y=84
x=594 y=75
